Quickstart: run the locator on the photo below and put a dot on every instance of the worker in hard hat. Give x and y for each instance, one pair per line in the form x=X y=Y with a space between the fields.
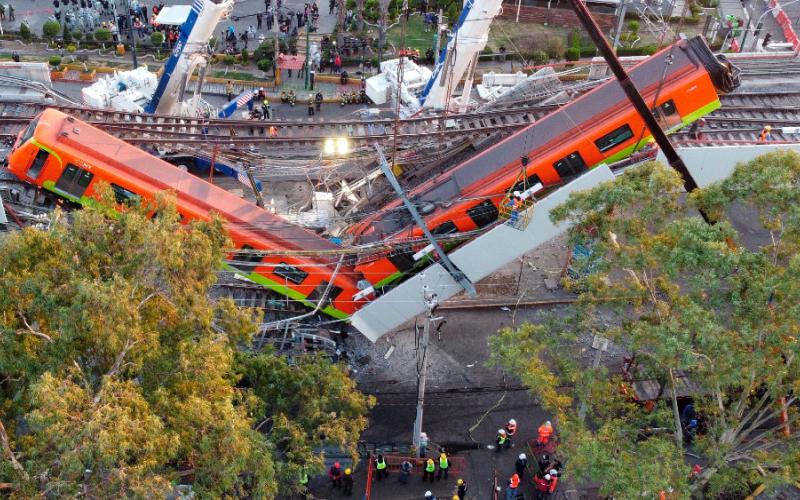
x=429 y=496
x=511 y=489
x=511 y=426
x=501 y=440
x=462 y=489
x=429 y=470
x=545 y=431
x=766 y=134
x=347 y=482
x=310 y=104
x=514 y=204
x=521 y=464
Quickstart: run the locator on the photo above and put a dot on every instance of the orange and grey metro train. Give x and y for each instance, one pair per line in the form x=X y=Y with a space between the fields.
x=680 y=83
x=68 y=157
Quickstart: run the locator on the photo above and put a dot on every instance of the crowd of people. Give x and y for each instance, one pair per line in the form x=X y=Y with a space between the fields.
x=546 y=467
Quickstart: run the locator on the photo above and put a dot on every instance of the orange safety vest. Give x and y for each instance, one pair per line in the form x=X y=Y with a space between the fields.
x=764 y=135
x=553 y=483
x=514 y=481
x=545 y=431
x=511 y=429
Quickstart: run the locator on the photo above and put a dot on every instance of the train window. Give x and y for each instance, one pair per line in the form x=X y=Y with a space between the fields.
x=402 y=259
x=246 y=261
x=122 y=195
x=29 y=131
x=317 y=293
x=570 y=165
x=530 y=181
x=291 y=273
x=483 y=213
x=38 y=164
x=668 y=108
x=614 y=138
x=445 y=228
x=74 y=180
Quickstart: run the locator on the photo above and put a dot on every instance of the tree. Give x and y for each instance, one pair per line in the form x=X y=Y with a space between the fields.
x=51 y=29
x=25 y=31
x=682 y=297
x=119 y=374
x=304 y=407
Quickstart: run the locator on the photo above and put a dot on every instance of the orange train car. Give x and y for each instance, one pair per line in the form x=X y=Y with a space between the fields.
x=680 y=83
x=68 y=157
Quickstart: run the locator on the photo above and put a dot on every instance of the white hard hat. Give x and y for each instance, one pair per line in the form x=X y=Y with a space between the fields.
x=261 y=88
x=548 y=423
x=512 y=421
x=553 y=472
x=516 y=193
x=547 y=477
x=522 y=456
x=422 y=434
x=501 y=431
x=428 y=494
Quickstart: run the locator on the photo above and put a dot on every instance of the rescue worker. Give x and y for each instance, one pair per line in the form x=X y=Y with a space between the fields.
x=462 y=489
x=520 y=464
x=284 y=96
x=318 y=101
x=429 y=496
x=423 y=444
x=335 y=473
x=511 y=489
x=511 y=428
x=229 y=90
x=273 y=131
x=542 y=485
x=380 y=467
x=348 y=482
x=553 y=481
x=310 y=104
x=292 y=98
x=444 y=466
x=514 y=204
x=545 y=431
x=265 y=110
x=502 y=440
x=405 y=471
x=766 y=134
x=430 y=468
x=694 y=130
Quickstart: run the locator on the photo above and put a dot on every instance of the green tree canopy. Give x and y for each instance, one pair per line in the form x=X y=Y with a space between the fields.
x=120 y=377
x=681 y=297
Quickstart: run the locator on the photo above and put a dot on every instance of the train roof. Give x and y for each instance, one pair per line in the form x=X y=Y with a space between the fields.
x=88 y=142
x=580 y=114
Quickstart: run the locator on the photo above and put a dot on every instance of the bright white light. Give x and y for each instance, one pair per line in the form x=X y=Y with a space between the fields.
x=342 y=146
x=329 y=147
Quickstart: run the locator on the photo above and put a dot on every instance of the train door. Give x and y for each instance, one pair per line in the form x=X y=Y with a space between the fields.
x=570 y=165
x=74 y=180
x=38 y=164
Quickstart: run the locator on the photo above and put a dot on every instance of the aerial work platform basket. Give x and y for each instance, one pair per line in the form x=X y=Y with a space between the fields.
x=516 y=207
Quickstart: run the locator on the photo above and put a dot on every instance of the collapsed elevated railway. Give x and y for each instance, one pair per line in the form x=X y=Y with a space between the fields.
x=536 y=147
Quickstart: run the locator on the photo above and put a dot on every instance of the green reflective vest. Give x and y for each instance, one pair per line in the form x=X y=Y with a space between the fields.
x=303 y=478
x=443 y=464
x=380 y=464
x=430 y=467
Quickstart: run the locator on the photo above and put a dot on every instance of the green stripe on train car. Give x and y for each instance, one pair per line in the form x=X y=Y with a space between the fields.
x=285 y=290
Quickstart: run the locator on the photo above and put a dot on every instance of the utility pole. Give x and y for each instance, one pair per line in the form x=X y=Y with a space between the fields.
x=438 y=37
x=620 y=23
x=634 y=96
x=308 y=51
x=131 y=36
x=431 y=301
x=455 y=272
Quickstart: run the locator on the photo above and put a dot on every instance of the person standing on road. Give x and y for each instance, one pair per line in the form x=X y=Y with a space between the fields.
x=11 y=13
x=310 y=104
x=430 y=468
x=335 y=473
x=423 y=444
x=520 y=464
x=444 y=466
x=405 y=471
x=511 y=428
x=348 y=482
x=259 y=20
x=380 y=462
x=229 y=90
x=3 y=12
x=462 y=489
x=511 y=489
x=501 y=440
x=545 y=431
x=318 y=101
